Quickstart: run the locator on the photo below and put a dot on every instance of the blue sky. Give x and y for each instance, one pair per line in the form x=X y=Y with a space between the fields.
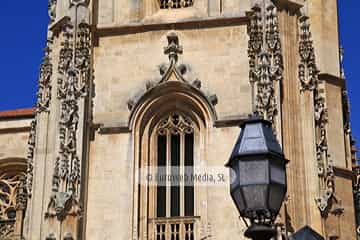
x=23 y=35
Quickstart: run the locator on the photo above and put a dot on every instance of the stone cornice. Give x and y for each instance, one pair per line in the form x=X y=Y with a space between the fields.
x=332 y=79
x=112 y=128
x=232 y=121
x=109 y=30
x=14 y=130
x=56 y=27
x=292 y=5
x=27 y=113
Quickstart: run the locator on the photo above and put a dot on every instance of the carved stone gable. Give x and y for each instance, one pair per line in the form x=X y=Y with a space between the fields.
x=172 y=72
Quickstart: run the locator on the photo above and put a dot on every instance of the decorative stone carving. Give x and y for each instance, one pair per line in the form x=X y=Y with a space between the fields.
x=175 y=3
x=44 y=92
x=68 y=236
x=74 y=76
x=52 y=10
x=175 y=124
x=308 y=71
x=265 y=59
x=61 y=202
x=325 y=164
x=345 y=97
x=21 y=194
x=173 y=50
x=308 y=76
x=51 y=236
x=30 y=157
x=356 y=191
x=78 y=2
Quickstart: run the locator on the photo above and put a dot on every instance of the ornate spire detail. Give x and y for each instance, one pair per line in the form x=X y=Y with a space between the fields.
x=43 y=97
x=308 y=71
x=345 y=97
x=74 y=76
x=173 y=48
x=265 y=59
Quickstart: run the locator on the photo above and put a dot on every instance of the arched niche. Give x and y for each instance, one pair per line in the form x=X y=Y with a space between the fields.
x=153 y=106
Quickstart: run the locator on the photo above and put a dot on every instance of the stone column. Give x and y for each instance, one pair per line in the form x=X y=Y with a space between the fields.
x=58 y=169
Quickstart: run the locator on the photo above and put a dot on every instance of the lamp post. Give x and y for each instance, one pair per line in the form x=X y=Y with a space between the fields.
x=258 y=177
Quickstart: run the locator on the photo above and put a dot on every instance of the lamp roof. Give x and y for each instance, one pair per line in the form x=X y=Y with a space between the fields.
x=307 y=233
x=256 y=137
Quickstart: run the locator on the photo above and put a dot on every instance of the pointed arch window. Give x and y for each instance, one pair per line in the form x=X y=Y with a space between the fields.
x=170 y=4
x=12 y=200
x=175 y=194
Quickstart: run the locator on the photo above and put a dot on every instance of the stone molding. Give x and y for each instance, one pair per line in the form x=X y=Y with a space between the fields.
x=233 y=121
x=109 y=30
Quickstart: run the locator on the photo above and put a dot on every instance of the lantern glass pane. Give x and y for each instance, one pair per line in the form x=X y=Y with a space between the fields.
x=277 y=173
x=234 y=177
x=276 y=196
x=254 y=172
x=238 y=199
x=256 y=196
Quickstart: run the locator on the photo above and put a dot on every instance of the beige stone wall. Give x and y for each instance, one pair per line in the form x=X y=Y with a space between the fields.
x=336 y=126
x=216 y=56
x=110 y=189
x=109 y=205
x=343 y=226
x=14 y=136
x=130 y=37
x=110 y=12
x=324 y=28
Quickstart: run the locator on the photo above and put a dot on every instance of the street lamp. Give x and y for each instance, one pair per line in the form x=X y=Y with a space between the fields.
x=258 y=177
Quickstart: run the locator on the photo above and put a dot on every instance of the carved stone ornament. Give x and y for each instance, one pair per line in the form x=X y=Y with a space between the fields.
x=44 y=92
x=265 y=59
x=21 y=194
x=51 y=236
x=175 y=124
x=78 y=2
x=345 y=97
x=74 y=76
x=356 y=191
x=52 y=10
x=308 y=76
x=30 y=157
x=169 y=4
x=308 y=71
x=68 y=236
x=61 y=203
x=171 y=71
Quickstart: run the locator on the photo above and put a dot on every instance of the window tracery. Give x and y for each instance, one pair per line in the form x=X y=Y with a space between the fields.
x=9 y=185
x=170 y=4
x=175 y=198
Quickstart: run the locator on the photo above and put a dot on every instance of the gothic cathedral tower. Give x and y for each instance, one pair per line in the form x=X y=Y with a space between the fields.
x=130 y=89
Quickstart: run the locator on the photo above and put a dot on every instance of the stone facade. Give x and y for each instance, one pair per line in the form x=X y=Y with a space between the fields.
x=112 y=70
